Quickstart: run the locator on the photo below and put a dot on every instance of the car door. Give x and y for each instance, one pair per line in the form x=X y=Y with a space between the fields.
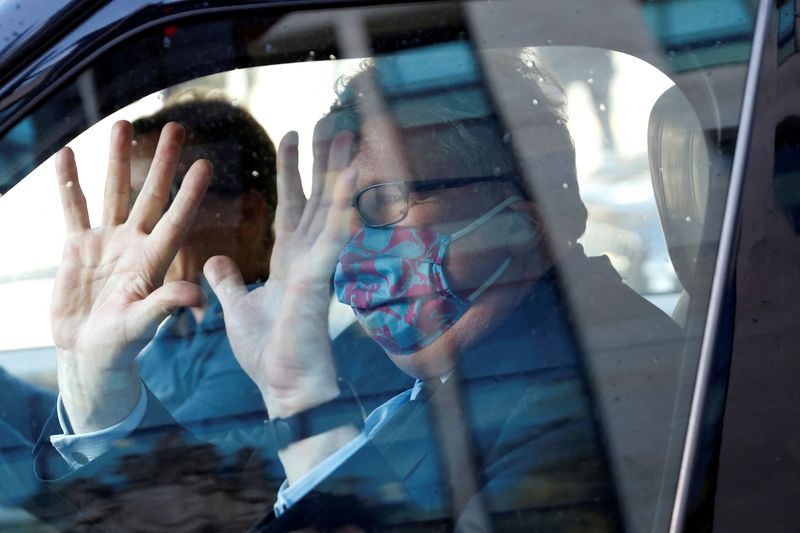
x=644 y=189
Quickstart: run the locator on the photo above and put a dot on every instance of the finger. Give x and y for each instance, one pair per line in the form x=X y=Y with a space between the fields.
x=323 y=132
x=73 y=202
x=329 y=244
x=117 y=197
x=171 y=230
x=291 y=199
x=153 y=198
x=161 y=302
x=225 y=280
x=338 y=159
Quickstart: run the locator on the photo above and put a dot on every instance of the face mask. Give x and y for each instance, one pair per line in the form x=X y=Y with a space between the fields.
x=394 y=280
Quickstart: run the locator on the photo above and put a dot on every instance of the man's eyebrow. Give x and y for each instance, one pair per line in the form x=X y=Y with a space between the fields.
x=373 y=180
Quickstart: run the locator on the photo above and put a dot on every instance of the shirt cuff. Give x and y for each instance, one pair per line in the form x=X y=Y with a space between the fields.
x=78 y=450
x=288 y=495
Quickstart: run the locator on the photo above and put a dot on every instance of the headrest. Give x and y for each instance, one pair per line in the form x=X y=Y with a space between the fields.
x=680 y=170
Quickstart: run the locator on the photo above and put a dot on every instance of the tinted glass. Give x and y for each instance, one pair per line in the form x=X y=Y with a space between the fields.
x=512 y=337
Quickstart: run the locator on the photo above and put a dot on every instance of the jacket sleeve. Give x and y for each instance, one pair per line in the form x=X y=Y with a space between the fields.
x=159 y=476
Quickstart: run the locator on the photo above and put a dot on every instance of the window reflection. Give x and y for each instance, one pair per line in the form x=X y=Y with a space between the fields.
x=532 y=370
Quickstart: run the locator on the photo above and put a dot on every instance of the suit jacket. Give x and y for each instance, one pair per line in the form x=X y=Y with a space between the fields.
x=523 y=405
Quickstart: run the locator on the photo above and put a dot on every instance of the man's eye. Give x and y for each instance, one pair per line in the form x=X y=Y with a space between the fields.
x=388 y=197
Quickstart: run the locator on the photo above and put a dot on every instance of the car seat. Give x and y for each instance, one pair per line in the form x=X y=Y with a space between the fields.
x=679 y=169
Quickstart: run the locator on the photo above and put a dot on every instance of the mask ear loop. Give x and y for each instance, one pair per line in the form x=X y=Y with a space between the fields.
x=490 y=280
x=484 y=218
x=481 y=220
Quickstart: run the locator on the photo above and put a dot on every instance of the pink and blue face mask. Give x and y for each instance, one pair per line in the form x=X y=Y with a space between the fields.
x=394 y=280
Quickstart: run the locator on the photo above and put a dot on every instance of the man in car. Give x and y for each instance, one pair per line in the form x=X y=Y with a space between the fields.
x=451 y=260
x=189 y=365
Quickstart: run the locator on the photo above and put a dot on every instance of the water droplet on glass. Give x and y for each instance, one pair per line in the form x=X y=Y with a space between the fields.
x=535 y=101
x=268 y=47
x=331 y=57
x=134 y=142
x=549 y=41
x=688 y=219
x=559 y=121
x=254 y=173
x=590 y=81
x=361 y=95
x=565 y=186
x=540 y=79
x=312 y=54
x=496 y=171
x=166 y=42
x=602 y=107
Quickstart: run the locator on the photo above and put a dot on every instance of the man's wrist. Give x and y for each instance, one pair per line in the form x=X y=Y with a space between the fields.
x=337 y=412
x=98 y=399
x=282 y=403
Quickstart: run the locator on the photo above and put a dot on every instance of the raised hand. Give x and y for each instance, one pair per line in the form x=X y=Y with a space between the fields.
x=109 y=293
x=279 y=331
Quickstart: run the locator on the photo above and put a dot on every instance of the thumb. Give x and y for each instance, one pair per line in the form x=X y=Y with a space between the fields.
x=162 y=301
x=225 y=279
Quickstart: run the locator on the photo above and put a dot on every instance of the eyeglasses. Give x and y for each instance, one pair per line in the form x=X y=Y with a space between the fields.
x=384 y=204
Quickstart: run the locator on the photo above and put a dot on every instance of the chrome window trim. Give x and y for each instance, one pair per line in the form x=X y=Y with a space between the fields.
x=722 y=268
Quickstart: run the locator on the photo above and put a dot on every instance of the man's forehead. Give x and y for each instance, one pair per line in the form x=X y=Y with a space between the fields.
x=380 y=158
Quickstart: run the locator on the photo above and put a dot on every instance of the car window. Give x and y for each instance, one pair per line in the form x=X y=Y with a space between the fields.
x=489 y=227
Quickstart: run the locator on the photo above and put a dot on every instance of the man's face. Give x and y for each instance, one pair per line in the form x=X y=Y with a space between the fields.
x=215 y=224
x=469 y=261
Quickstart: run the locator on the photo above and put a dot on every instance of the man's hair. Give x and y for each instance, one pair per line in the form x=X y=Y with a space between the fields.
x=238 y=146
x=451 y=128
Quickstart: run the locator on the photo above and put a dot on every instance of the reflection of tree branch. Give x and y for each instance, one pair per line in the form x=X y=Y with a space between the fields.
x=177 y=487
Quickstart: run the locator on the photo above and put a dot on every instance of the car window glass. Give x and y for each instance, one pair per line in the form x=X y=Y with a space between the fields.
x=531 y=233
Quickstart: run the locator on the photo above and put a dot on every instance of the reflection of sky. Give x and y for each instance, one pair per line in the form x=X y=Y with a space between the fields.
x=21 y=17
x=690 y=22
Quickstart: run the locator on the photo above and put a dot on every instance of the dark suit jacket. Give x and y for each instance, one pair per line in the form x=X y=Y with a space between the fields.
x=523 y=403
x=524 y=400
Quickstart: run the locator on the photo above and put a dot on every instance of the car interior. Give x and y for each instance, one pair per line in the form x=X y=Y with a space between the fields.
x=653 y=156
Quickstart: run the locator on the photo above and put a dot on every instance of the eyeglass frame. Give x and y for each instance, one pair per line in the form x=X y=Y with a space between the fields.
x=427 y=185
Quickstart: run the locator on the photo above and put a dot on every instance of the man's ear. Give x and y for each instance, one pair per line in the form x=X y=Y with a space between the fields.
x=527 y=224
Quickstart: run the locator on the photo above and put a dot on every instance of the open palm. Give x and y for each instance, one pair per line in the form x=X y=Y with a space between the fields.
x=109 y=294
x=279 y=331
